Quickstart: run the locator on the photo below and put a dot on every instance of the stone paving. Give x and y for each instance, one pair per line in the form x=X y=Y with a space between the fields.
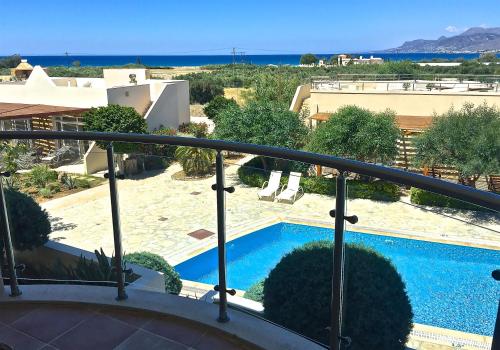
x=158 y=212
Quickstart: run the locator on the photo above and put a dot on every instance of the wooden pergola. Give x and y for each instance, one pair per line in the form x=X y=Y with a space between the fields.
x=40 y=117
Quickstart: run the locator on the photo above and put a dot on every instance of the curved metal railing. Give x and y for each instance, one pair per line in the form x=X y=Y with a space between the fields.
x=460 y=192
x=468 y=194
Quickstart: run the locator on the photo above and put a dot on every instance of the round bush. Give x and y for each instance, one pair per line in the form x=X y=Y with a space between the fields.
x=29 y=223
x=173 y=283
x=377 y=311
x=256 y=292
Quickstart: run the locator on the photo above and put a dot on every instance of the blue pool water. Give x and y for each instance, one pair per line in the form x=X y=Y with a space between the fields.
x=449 y=286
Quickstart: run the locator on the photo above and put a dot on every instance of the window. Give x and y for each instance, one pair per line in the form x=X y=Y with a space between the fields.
x=70 y=123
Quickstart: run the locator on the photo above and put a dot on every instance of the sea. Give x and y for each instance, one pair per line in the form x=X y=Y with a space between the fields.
x=203 y=60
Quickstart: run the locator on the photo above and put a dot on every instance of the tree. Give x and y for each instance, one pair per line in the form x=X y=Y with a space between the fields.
x=356 y=133
x=467 y=139
x=297 y=294
x=14 y=156
x=217 y=105
x=195 y=161
x=274 y=87
x=10 y=61
x=263 y=123
x=203 y=91
x=488 y=57
x=115 y=118
x=76 y=63
x=308 y=58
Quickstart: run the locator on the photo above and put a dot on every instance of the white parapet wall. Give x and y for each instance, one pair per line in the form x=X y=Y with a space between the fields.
x=95 y=159
x=135 y=96
x=302 y=92
x=171 y=108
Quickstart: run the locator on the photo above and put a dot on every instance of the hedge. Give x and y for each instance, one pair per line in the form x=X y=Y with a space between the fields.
x=378 y=313
x=422 y=197
x=252 y=174
x=29 y=223
x=173 y=283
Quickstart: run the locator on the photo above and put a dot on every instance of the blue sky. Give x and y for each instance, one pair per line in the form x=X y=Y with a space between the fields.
x=188 y=27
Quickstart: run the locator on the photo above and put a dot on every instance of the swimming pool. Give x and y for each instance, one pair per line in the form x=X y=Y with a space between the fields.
x=449 y=286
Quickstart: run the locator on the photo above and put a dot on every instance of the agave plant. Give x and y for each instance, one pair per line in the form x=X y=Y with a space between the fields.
x=102 y=270
x=195 y=161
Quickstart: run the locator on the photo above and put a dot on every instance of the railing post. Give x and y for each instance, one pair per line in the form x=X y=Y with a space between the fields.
x=115 y=214
x=219 y=187
x=7 y=242
x=495 y=345
x=336 y=337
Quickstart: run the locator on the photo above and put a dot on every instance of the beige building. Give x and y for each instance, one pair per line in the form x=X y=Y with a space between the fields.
x=45 y=103
x=414 y=102
x=344 y=60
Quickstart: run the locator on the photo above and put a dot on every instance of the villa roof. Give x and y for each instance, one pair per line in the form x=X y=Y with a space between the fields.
x=405 y=122
x=23 y=110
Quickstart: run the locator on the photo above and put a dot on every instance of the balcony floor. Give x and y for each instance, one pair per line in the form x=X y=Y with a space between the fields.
x=69 y=326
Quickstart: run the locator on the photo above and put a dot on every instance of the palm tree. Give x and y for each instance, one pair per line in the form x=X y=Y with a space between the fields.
x=195 y=161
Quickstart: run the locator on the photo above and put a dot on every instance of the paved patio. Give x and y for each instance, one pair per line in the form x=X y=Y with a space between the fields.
x=157 y=213
x=51 y=327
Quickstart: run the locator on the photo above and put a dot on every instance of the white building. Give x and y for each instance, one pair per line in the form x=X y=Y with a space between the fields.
x=344 y=60
x=45 y=103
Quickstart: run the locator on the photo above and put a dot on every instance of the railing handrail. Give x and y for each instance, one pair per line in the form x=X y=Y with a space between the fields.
x=481 y=198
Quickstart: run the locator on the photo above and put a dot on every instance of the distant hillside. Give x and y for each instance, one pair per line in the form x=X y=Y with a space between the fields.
x=472 y=40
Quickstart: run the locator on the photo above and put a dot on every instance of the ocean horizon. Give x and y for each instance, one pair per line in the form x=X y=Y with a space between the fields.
x=203 y=60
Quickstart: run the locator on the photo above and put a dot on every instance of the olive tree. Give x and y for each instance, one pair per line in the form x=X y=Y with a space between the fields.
x=467 y=140
x=217 y=105
x=357 y=133
x=262 y=123
x=308 y=58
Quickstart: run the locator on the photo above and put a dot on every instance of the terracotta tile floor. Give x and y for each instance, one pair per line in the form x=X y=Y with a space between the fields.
x=43 y=326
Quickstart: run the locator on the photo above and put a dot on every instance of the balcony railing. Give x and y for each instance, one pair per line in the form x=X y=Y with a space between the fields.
x=487 y=200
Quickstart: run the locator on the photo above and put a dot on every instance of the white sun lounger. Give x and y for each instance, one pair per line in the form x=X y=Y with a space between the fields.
x=290 y=192
x=270 y=188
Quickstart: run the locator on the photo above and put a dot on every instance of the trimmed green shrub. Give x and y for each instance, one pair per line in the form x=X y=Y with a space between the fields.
x=41 y=175
x=255 y=292
x=29 y=223
x=422 y=197
x=173 y=283
x=377 y=310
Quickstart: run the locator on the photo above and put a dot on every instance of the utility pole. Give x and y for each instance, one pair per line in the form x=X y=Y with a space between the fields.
x=67 y=57
x=234 y=55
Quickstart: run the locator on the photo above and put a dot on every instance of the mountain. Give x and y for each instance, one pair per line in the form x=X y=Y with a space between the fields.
x=472 y=40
